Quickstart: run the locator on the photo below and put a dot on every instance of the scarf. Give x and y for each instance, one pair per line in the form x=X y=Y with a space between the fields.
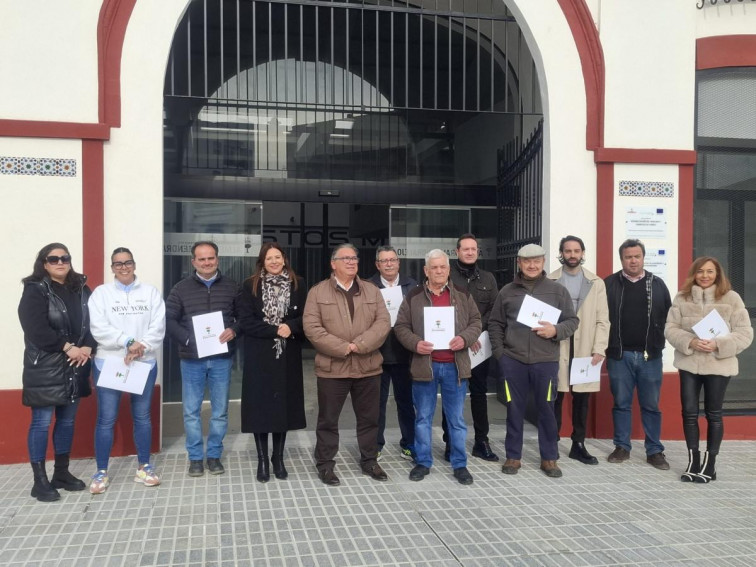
x=468 y=271
x=276 y=294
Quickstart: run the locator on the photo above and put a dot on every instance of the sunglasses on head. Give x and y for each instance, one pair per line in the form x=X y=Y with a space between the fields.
x=66 y=259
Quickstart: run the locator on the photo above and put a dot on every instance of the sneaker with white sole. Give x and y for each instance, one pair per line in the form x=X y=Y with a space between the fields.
x=147 y=476
x=406 y=454
x=100 y=482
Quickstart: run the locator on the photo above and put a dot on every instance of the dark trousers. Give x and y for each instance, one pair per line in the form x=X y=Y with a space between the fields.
x=478 y=385
x=399 y=376
x=519 y=380
x=579 y=413
x=714 y=388
x=332 y=393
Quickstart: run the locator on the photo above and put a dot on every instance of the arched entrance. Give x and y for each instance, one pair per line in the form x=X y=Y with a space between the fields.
x=318 y=124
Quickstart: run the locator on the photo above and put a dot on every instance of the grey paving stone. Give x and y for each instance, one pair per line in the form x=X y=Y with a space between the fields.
x=605 y=515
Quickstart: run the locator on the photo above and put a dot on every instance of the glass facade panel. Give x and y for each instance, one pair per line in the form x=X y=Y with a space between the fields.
x=411 y=146
x=370 y=122
x=237 y=228
x=725 y=198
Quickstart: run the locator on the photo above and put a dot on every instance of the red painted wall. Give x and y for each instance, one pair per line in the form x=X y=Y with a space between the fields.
x=13 y=448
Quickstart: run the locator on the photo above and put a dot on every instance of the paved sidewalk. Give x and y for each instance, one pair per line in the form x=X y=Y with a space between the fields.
x=595 y=515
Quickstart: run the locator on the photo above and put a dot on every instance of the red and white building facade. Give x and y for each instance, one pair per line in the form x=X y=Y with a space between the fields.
x=81 y=144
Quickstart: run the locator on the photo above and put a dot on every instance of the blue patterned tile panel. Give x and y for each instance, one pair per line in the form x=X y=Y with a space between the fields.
x=38 y=166
x=646 y=189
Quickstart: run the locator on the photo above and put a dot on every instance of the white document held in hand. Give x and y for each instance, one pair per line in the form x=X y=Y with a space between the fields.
x=583 y=372
x=207 y=332
x=117 y=375
x=534 y=310
x=711 y=326
x=393 y=298
x=484 y=353
x=439 y=326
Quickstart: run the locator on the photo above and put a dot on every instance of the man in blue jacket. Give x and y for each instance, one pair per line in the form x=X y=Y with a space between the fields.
x=205 y=291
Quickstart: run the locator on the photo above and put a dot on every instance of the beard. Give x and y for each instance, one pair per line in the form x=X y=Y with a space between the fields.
x=572 y=262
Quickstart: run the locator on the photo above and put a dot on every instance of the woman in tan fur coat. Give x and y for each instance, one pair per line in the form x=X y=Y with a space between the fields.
x=707 y=363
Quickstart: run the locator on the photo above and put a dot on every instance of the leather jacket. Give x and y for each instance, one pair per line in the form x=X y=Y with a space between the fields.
x=48 y=379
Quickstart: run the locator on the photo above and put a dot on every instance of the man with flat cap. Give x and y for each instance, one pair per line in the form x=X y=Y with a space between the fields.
x=529 y=356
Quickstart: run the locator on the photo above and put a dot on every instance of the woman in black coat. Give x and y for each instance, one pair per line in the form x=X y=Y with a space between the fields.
x=270 y=316
x=58 y=347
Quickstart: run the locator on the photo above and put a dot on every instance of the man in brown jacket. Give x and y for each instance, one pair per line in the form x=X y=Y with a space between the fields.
x=346 y=320
x=588 y=294
x=434 y=366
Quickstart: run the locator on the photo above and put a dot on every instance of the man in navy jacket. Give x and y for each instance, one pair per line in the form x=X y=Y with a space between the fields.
x=395 y=357
x=205 y=291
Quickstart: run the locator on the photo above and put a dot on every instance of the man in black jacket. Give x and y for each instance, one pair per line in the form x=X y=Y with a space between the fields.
x=482 y=285
x=638 y=306
x=205 y=291
x=395 y=357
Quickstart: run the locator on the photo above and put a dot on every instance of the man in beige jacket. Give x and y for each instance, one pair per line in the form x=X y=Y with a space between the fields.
x=588 y=294
x=346 y=320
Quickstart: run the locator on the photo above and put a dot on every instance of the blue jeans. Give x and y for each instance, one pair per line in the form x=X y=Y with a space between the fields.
x=108 y=404
x=453 y=394
x=215 y=373
x=625 y=375
x=63 y=431
x=405 y=411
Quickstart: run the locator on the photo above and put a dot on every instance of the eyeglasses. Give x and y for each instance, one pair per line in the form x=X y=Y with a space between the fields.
x=388 y=261
x=126 y=264
x=348 y=259
x=58 y=259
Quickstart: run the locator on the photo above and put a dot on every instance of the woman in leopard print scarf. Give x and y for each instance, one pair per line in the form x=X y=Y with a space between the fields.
x=270 y=316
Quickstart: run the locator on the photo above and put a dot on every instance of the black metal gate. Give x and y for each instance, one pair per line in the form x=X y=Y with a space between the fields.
x=519 y=200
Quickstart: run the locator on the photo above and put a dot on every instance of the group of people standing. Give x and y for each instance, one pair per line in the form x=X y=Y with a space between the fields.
x=65 y=326
x=366 y=344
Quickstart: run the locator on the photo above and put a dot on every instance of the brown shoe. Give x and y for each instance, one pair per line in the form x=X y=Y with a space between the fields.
x=329 y=477
x=618 y=455
x=511 y=466
x=551 y=469
x=375 y=472
x=658 y=461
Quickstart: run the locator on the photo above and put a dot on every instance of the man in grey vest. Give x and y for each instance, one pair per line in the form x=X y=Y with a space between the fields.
x=588 y=294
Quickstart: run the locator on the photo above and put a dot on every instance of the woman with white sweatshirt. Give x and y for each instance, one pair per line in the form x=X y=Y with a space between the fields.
x=127 y=319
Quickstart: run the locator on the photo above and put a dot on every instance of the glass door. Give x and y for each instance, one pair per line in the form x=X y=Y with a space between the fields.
x=724 y=231
x=236 y=227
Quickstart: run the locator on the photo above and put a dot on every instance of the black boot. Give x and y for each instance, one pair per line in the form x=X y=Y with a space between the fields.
x=580 y=453
x=42 y=490
x=279 y=470
x=61 y=478
x=263 y=464
x=694 y=466
x=708 y=469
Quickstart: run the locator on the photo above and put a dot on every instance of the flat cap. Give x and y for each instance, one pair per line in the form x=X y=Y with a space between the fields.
x=531 y=251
